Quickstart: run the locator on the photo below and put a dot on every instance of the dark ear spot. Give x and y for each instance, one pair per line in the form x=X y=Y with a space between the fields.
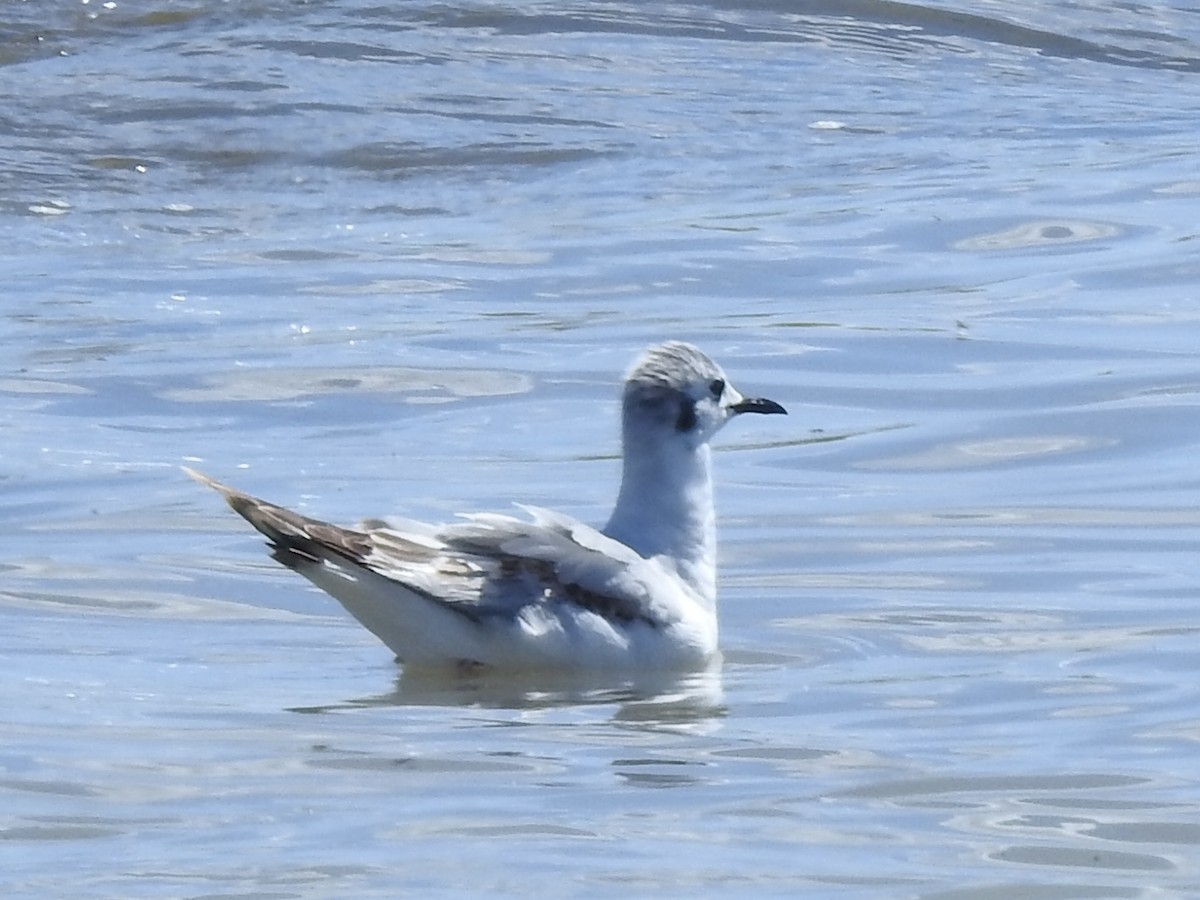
x=657 y=405
x=687 y=415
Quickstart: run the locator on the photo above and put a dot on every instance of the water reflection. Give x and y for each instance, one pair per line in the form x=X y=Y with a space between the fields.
x=670 y=699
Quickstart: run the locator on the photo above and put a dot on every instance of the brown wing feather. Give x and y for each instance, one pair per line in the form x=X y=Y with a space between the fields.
x=481 y=571
x=290 y=531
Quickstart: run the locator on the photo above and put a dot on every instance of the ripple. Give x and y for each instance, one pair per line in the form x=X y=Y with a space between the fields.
x=995 y=451
x=51 y=832
x=1180 y=187
x=910 y=789
x=1040 y=233
x=39 y=386
x=1083 y=857
x=293 y=384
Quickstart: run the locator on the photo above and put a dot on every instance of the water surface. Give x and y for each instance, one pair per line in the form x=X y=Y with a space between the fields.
x=368 y=259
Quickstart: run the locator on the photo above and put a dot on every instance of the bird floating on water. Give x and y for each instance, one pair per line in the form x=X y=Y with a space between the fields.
x=548 y=592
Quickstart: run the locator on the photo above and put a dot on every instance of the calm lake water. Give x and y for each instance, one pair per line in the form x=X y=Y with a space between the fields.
x=369 y=258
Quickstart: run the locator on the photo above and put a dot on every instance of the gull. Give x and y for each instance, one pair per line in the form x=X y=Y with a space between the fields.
x=548 y=592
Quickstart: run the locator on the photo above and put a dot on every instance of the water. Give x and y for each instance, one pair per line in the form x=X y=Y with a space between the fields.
x=393 y=258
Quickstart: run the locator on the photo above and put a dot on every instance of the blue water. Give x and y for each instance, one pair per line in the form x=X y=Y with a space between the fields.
x=366 y=259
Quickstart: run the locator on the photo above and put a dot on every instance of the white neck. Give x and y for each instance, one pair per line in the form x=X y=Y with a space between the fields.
x=665 y=508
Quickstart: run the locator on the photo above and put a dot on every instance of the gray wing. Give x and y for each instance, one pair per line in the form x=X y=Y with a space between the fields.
x=493 y=564
x=486 y=566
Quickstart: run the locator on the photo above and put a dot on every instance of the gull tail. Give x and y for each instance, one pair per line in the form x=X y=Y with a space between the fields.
x=417 y=626
x=296 y=540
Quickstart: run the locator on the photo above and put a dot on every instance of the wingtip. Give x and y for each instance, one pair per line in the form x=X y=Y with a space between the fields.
x=196 y=476
x=297 y=540
x=204 y=479
x=232 y=496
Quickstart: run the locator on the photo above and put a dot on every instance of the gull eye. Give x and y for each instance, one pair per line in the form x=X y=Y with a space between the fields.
x=717 y=386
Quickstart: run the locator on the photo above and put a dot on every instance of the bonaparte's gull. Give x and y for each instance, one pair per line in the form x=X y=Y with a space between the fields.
x=548 y=592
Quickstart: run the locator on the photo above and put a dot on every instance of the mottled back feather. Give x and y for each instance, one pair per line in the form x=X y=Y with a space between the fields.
x=488 y=566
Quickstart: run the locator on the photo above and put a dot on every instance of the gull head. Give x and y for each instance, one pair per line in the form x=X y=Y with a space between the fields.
x=674 y=393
